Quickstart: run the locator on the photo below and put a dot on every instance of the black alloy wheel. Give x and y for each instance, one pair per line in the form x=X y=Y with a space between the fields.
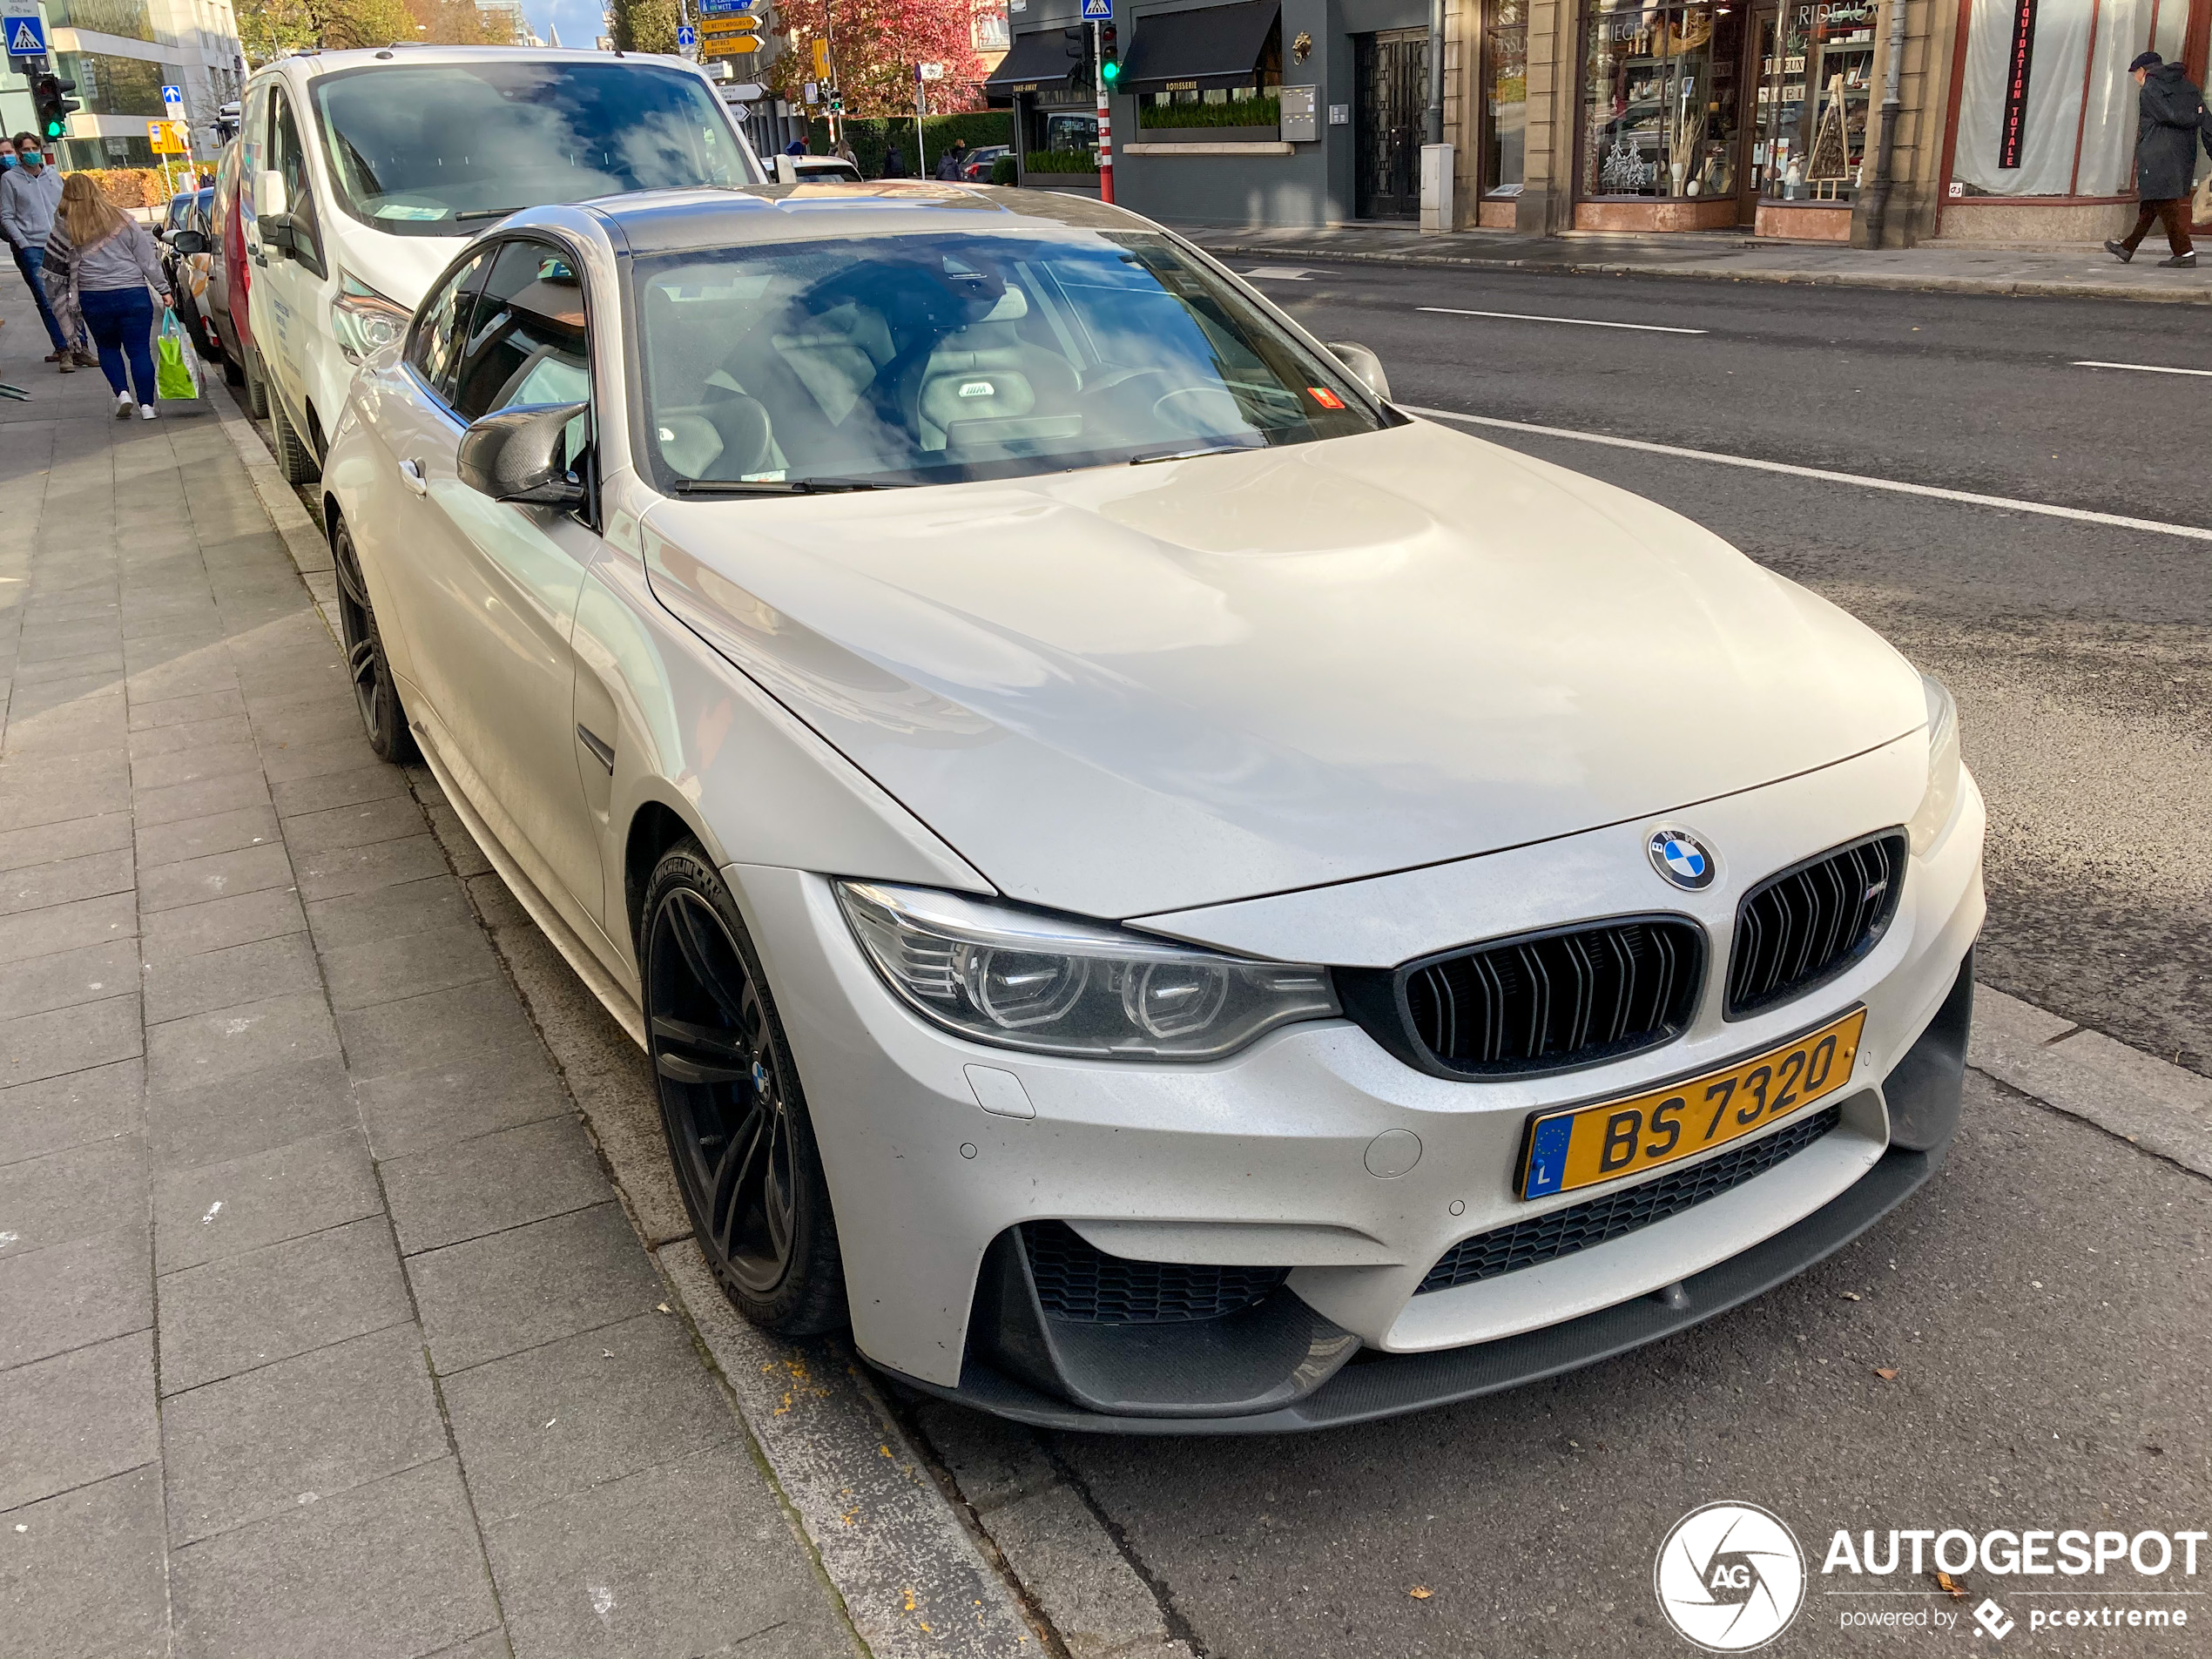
x=374 y=693
x=738 y=1129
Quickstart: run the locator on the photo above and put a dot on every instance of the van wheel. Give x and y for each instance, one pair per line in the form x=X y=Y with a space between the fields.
x=257 y=387
x=291 y=456
x=233 y=372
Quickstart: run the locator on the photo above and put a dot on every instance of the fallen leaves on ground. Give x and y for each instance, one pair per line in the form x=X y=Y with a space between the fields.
x=1420 y=1592
x=1945 y=1582
x=1887 y=1373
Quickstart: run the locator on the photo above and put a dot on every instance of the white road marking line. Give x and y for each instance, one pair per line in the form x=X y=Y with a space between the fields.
x=1281 y=272
x=2148 y=368
x=2157 y=526
x=1580 y=322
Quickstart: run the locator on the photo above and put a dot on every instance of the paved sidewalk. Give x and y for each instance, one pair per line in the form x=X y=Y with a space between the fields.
x=2083 y=272
x=322 y=1330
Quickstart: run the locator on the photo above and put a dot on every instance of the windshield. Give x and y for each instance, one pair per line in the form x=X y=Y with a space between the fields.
x=930 y=359
x=444 y=148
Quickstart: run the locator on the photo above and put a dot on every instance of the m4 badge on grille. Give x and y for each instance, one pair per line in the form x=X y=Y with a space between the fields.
x=1681 y=858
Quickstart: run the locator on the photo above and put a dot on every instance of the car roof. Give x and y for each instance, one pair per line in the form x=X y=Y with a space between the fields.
x=666 y=221
x=400 y=54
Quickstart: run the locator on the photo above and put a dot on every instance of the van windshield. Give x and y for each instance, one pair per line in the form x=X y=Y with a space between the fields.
x=444 y=148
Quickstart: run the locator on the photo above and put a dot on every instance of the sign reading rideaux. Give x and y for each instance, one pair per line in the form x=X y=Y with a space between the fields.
x=2012 y=134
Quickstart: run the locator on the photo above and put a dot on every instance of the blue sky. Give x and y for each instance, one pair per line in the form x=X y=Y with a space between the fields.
x=578 y=20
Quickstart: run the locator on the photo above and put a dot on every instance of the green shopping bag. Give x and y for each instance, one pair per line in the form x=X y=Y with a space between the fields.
x=173 y=373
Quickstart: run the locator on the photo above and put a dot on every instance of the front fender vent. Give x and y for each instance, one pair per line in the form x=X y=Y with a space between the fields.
x=1078 y=1281
x=1539 y=1002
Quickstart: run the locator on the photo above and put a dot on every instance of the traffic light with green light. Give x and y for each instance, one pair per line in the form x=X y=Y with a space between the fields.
x=51 y=105
x=1110 y=56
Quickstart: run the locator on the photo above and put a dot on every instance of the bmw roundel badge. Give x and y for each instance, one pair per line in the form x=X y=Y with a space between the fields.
x=1681 y=858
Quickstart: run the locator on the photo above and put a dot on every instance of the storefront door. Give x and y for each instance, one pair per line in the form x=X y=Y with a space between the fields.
x=1392 y=69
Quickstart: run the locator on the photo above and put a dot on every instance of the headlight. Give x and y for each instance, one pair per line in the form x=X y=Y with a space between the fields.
x=363 y=320
x=1020 y=978
x=1936 y=806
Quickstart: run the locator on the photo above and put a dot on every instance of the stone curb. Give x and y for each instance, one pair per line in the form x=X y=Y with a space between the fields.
x=2014 y=287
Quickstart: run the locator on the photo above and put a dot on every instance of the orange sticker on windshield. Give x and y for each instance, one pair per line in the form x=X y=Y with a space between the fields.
x=1324 y=397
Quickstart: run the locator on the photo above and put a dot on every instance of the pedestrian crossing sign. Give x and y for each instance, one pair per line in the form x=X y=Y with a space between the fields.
x=26 y=36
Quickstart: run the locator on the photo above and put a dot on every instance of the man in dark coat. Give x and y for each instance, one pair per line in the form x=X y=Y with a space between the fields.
x=2171 y=120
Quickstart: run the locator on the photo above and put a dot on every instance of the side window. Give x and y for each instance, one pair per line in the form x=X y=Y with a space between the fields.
x=442 y=325
x=253 y=137
x=290 y=160
x=526 y=339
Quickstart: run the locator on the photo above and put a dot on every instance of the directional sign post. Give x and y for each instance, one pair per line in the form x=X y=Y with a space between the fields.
x=686 y=38
x=167 y=138
x=26 y=35
x=724 y=8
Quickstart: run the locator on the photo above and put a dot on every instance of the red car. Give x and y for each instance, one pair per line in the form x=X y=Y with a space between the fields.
x=228 y=275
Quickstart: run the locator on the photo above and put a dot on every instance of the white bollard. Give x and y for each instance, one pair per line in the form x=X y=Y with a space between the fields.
x=1436 y=188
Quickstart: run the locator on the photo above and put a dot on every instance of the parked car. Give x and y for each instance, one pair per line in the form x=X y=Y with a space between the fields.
x=228 y=278
x=1147 y=872
x=816 y=170
x=365 y=168
x=186 y=249
x=980 y=163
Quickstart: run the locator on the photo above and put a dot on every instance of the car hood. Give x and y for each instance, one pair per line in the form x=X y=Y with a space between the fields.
x=401 y=268
x=1130 y=689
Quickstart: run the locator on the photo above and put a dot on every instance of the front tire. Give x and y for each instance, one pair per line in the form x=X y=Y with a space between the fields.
x=293 y=458
x=738 y=1128
x=376 y=693
x=257 y=387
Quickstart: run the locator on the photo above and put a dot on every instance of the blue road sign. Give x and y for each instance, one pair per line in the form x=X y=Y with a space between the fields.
x=1098 y=10
x=26 y=36
x=686 y=37
x=173 y=95
x=724 y=8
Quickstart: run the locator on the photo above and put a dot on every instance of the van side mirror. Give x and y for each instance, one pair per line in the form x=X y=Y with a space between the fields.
x=188 y=242
x=270 y=198
x=1364 y=366
x=520 y=455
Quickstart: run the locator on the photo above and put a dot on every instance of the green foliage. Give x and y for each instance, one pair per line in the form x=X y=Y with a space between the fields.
x=268 y=27
x=643 y=25
x=1005 y=171
x=1238 y=113
x=871 y=136
x=1060 y=161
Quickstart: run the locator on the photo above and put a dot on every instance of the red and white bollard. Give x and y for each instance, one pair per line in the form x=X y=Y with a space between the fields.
x=1105 y=118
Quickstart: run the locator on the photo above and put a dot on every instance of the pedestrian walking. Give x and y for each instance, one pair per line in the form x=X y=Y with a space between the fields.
x=100 y=266
x=949 y=163
x=894 y=163
x=2169 y=122
x=30 y=192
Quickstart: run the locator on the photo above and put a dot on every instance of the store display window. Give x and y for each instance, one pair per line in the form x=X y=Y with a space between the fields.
x=1505 y=61
x=2046 y=105
x=1661 y=102
x=1816 y=88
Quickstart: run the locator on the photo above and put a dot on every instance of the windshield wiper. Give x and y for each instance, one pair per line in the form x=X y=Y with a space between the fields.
x=780 y=485
x=486 y=212
x=1192 y=454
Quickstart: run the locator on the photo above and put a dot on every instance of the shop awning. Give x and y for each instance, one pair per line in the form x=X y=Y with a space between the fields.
x=1200 y=50
x=1033 y=63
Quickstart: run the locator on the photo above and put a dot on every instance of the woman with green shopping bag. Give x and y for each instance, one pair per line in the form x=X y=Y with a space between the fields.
x=99 y=265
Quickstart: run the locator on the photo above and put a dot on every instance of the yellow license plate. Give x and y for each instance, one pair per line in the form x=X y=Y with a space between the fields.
x=1583 y=1145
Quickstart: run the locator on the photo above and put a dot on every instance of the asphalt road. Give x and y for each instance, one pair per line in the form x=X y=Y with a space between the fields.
x=2044 y=1302
x=2080 y=654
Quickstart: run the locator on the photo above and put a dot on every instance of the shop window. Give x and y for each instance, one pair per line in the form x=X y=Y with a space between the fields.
x=1505 y=59
x=1815 y=87
x=2064 y=123
x=1660 y=100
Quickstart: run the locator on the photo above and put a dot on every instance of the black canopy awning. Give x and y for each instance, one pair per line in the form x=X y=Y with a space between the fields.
x=1199 y=50
x=1034 y=63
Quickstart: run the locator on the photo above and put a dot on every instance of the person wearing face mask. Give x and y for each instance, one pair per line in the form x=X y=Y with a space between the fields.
x=29 y=194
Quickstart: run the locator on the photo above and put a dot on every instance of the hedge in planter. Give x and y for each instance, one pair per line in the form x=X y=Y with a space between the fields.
x=1238 y=113
x=1060 y=161
x=871 y=136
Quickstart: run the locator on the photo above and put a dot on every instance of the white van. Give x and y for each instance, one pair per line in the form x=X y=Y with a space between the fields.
x=368 y=169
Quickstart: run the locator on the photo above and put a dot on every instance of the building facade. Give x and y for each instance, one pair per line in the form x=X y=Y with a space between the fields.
x=121 y=53
x=2016 y=118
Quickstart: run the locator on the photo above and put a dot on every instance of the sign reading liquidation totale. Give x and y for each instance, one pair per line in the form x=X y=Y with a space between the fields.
x=2011 y=135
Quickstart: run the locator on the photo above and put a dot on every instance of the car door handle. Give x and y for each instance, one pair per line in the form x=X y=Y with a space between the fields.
x=411 y=476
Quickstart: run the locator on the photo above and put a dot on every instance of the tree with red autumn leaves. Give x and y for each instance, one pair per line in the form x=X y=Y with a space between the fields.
x=877 y=44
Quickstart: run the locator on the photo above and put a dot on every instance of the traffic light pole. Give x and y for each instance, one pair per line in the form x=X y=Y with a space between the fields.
x=1105 y=114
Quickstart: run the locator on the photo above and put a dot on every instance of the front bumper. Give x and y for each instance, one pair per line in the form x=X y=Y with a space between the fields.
x=1923 y=1093
x=935 y=1148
